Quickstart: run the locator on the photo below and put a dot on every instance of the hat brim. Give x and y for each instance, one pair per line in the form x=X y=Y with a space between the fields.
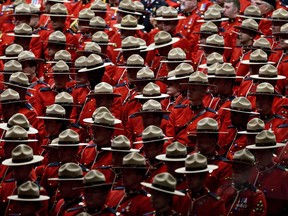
x=103 y=94
x=248 y=132
x=105 y=126
x=126 y=66
x=251 y=17
x=119 y=150
x=124 y=11
x=104 y=186
x=175 y=192
x=197 y=84
x=205 y=66
x=103 y=44
x=65 y=179
x=18 y=141
x=130 y=49
x=151 y=97
x=36 y=159
x=143 y=112
x=248 y=62
x=173 y=78
x=90 y=121
x=37 y=60
x=53 y=118
x=138 y=27
x=152 y=141
x=239 y=162
x=169 y=19
x=216 y=20
x=7 y=58
x=208 y=169
x=266 y=94
x=248 y=29
x=20 y=86
x=241 y=111
x=255 y=147
x=82 y=52
x=215 y=47
x=68 y=144
x=279 y=77
x=58 y=15
x=95 y=68
x=153 y=46
x=228 y=77
x=31 y=130
x=178 y=61
x=192 y=134
x=55 y=62
x=25 y=36
x=13 y=102
x=39 y=199
x=163 y=157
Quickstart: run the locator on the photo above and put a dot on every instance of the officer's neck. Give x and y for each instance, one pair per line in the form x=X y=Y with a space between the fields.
x=267 y=116
x=196 y=105
x=240 y=186
x=165 y=210
x=198 y=192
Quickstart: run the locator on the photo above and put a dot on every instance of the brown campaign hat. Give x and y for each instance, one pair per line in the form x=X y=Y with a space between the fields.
x=176 y=55
x=169 y=14
x=212 y=15
x=265 y=89
x=11 y=52
x=162 y=39
x=129 y=22
x=19 y=79
x=253 y=12
x=63 y=55
x=134 y=61
x=151 y=91
x=120 y=144
x=68 y=138
x=94 y=62
x=254 y=126
x=211 y=59
x=215 y=41
x=55 y=112
x=98 y=110
x=133 y=160
x=268 y=72
x=197 y=78
x=130 y=43
x=242 y=157
x=25 y=56
x=182 y=71
x=266 y=139
x=249 y=25
x=23 y=30
x=126 y=6
x=257 y=57
x=10 y=96
x=58 y=10
x=17 y=134
x=241 y=105
x=152 y=134
x=174 y=152
x=69 y=172
x=103 y=89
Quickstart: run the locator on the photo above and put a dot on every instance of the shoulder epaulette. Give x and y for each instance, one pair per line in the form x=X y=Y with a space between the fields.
x=247 y=78
x=75 y=125
x=166 y=117
x=213 y=195
x=91 y=145
x=75 y=208
x=29 y=94
x=104 y=167
x=283 y=126
x=221 y=158
x=111 y=210
x=10 y=180
x=232 y=98
x=180 y=106
x=84 y=168
x=132 y=116
x=252 y=187
x=221 y=30
x=231 y=126
x=279 y=116
x=53 y=164
x=70 y=31
x=69 y=90
x=280 y=167
x=179 y=35
x=45 y=89
x=145 y=193
x=80 y=86
x=28 y=106
x=119 y=188
x=211 y=110
x=120 y=85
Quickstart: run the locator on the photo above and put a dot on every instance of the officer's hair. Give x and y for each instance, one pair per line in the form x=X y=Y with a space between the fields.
x=236 y=3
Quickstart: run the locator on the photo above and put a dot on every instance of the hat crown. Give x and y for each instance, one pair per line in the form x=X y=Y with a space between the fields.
x=176 y=54
x=57 y=36
x=127 y=4
x=268 y=71
x=98 y=110
x=28 y=190
x=183 y=69
x=135 y=60
x=16 y=133
x=19 y=78
x=212 y=14
x=94 y=177
x=83 y=214
x=104 y=118
x=212 y=68
x=80 y=62
x=214 y=57
x=139 y=6
x=23 y=28
x=58 y=8
x=164 y=181
x=26 y=55
x=120 y=142
x=134 y=159
x=70 y=170
x=226 y=69
x=241 y=103
x=61 y=66
x=145 y=73
x=63 y=98
x=92 y=47
x=253 y=11
x=19 y=119
x=152 y=132
x=160 y=10
x=198 y=77
x=22 y=152
x=9 y=95
x=265 y=136
x=12 y=66
x=86 y=13
x=141 y=42
x=100 y=37
x=55 y=110
x=176 y=150
x=93 y=60
x=63 y=55
x=103 y=87
x=97 y=22
x=129 y=21
x=215 y=39
x=151 y=105
x=207 y=124
x=255 y=124
x=258 y=56
x=22 y=8
x=13 y=50
x=265 y=88
x=162 y=37
x=169 y=12
x=99 y=5
x=130 y=42
x=280 y=14
x=250 y=23
x=244 y=155
x=68 y=136
x=209 y=27
x=151 y=89
x=34 y=8
x=216 y=6
x=284 y=28
x=262 y=43
x=196 y=161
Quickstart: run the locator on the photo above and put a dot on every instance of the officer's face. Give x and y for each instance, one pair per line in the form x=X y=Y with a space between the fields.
x=52 y=127
x=229 y=10
x=159 y=25
x=263 y=156
x=276 y=26
x=206 y=144
x=241 y=173
x=196 y=93
x=29 y=69
x=52 y=49
x=244 y=38
x=173 y=88
x=65 y=189
x=8 y=148
x=163 y=51
x=95 y=197
x=151 y=119
x=58 y=22
x=254 y=69
x=153 y=149
x=105 y=101
x=82 y=24
x=117 y=158
x=173 y=165
x=21 y=19
x=60 y=80
x=264 y=104
x=26 y=208
x=195 y=181
x=239 y=119
x=102 y=135
x=282 y=42
x=22 y=173
x=188 y=5
x=160 y=200
x=261 y=4
x=67 y=154
x=34 y=21
x=131 y=178
x=224 y=86
x=169 y=26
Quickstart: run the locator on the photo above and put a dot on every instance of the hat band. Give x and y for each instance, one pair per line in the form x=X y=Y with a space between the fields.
x=120 y=148
x=266 y=144
x=176 y=156
x=170 y=16
x=226 y=75
x=135 y=65
x=126 y=9
x=197 y=82
x=57 y=13
x=181 y=75
x=255 y=131
x=151 y=95
x=96 y=65
x=152 y=110
x=103 y=124
x=128 y=26
x=242 y=161
x=268 y=75
x=94 y=183
x=103 y=92
x=101 y=9
x=153 y=138
x=97 y=26
x=218 y=45
x=20 y=84
x=212 y=18
x=241 y=109
x=134 y=165
x=10 y=126
x=175 y=59
x=68 y=142
x=16 y=138
x=207 y=130
x=11 y=55
x=11 y=100
x=207 y=31
x=167 y=188
x=21 y=160
x=196 y=168
x=61 y=71
x=106 y=42
x=27 y=196
x=163 y=42
x=55 y=115
x=67 y=176
x=22 y=33
x=258 y=61
x=56 y=41
x=131 y=47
